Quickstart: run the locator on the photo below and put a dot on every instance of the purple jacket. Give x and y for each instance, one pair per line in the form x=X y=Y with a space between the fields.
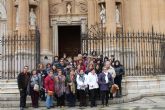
x=103 y=85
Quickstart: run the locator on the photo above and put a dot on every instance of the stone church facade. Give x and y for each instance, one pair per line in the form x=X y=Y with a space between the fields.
x=55 y=17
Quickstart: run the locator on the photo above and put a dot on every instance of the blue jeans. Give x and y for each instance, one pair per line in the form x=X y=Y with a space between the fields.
x=49 y=101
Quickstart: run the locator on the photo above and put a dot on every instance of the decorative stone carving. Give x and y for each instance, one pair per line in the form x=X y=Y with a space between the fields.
x=83 y=6
x=117 y=15
x=17 y=17
x=103 y=14
x=53 y=8
x=32 y=19
x=69 y=8
x=33 y=2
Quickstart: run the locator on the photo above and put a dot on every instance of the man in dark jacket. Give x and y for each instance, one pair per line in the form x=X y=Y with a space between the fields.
x=22 y=80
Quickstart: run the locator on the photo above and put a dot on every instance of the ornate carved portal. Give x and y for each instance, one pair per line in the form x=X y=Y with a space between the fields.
x=64 y=13
x=63 y=22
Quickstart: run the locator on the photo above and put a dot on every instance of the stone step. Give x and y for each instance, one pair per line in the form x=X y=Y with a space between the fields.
x=8 y=81
x=11 y=97
x=9 y=90
x=13 y=104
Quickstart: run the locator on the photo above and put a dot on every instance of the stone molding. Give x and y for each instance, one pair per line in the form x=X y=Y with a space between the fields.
x=64 y=21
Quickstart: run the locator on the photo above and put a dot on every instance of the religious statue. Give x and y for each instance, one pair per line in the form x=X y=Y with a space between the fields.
x=17 y=17
x=117 y=15
x=32 y=18
x=103 y=14
x=69 y=7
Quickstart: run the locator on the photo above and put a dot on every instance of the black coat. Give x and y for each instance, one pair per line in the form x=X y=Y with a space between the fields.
x=22 y=82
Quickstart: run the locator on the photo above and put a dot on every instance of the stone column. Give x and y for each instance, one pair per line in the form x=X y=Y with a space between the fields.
x=162 y=15
x=91 y=13
x=135 y=15
x=155 y=15
x=45 y=29
x=110 y=16
x=126 y=16
x=9 y=4
x=23 y=16
x=146 y=16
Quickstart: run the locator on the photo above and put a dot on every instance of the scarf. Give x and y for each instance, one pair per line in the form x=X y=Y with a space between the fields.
x=106 y=77
x=82 y=78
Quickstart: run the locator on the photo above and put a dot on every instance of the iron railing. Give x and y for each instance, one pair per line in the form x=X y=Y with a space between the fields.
x=141 y=53
x=18 y=51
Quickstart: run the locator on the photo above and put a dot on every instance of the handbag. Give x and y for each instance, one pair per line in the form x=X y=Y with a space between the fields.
x=36 y=87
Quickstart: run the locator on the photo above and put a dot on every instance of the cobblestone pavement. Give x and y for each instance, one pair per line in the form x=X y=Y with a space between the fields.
x=147 y=103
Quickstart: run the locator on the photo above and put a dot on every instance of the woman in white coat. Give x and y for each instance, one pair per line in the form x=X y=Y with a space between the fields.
x=82 y=84
x=93 y=86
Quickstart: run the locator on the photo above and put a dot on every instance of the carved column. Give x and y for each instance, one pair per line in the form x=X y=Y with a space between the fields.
x=110 y=16
x=9 y=16
x=23 y=15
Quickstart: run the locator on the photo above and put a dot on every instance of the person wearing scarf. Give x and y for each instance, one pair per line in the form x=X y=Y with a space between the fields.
x=34 y=93
x=60 y=88
x=93 y=86
x=70 y=89
x=105 y=81
x=82 y=81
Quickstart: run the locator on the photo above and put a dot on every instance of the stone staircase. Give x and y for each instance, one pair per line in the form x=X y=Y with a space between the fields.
x=8 y=86
x=134 y=88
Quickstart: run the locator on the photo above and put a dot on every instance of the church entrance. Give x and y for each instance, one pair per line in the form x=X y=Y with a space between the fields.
x=69 y=40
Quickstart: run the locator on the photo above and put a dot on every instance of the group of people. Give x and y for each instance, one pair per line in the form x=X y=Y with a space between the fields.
x=71 y=79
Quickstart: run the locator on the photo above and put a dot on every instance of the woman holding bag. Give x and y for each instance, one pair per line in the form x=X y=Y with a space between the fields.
x=34 y=89
x=50 y=87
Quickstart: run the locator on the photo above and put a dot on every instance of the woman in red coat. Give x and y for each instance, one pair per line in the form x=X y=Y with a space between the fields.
x=50 y=87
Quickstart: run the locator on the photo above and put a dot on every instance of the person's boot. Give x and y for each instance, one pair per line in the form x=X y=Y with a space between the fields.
x=111 y=96
x=120 y=93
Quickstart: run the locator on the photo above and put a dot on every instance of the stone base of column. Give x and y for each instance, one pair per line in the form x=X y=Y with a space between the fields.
x=46 y=56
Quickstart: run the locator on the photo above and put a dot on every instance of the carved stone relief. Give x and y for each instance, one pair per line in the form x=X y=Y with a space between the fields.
x=62 y=7
x=54 y=8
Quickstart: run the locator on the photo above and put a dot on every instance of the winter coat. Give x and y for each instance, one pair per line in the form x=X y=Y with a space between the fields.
x=92 y=81
x=82 y=85
x=49 y=84
x=102 y=82
x=60 y=85
x=119 y=72
x=23 y=80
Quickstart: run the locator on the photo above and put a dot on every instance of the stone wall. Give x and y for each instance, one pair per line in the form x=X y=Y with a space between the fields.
x=144 y=84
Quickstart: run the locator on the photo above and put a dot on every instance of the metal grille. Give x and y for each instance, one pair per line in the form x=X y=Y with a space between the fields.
x=141 y=53
x=18 y=51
